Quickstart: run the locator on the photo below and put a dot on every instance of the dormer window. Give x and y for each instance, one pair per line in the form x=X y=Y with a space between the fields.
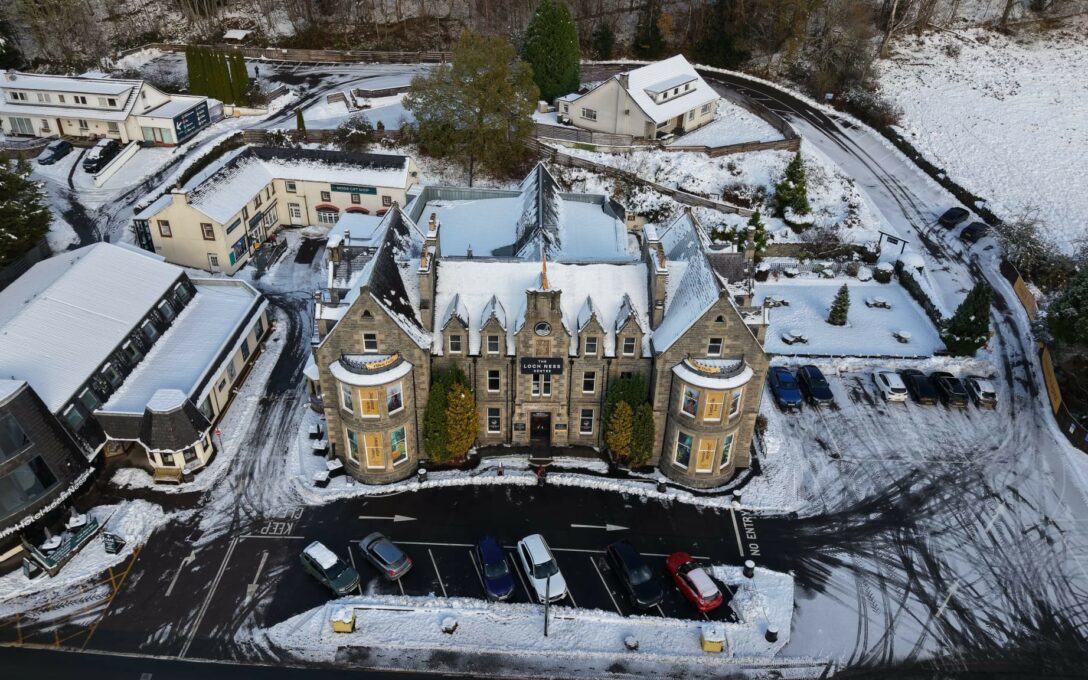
x=628 y=347
x=455 y=344
x=591 y=345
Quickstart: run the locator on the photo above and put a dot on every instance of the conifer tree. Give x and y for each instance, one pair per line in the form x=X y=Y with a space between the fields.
x=1067 y=316
x=642 y=436
x=462 y=421
x=840 y=307
x=969 y=327
x=239 y=79
x=300 y=120
x=551 y=48
x=24 y=217
x=792 y=192
x=757 y=233
x=620 y=431
x=631 y=389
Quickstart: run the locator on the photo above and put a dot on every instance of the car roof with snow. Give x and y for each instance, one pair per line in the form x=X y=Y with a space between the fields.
x=704 y=585
x=324 y=557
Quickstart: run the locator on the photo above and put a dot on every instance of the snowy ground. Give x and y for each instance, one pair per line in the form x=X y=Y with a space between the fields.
x=389 y=111
x=869 y=330
x=1003 y=115
x=732 y=125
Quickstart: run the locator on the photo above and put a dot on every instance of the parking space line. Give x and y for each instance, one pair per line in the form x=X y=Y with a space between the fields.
x=605 y=584
x=400 y=584
x=476 y=567
x=736 y=530
x=660 y=610
x=352 y=558
x=571 y=596
x=517 y=570
x=705 y=616
x=444 y=545
x=437 y=573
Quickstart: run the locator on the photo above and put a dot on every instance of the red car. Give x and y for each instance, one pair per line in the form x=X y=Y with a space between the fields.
x=694 y=582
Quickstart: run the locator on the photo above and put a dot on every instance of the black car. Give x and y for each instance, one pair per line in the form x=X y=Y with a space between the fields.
x=815 y=387
x=100 y=154
x=54 y=152
x=974 y=231
x=642 y=588
x=919 y=387
x=952 y=391
x=952 y=217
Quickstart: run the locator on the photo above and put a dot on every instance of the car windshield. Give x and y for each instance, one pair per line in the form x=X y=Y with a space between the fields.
x=816 y=380
x=545 y=569
x=786 y=380
x=955 y=386
x=640 y=574
x=496 y=569
x=336 y=570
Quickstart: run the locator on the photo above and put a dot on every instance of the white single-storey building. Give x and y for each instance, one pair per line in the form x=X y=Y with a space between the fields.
x=662 y=98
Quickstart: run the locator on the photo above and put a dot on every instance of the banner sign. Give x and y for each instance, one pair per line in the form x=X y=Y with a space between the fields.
x=352 y=189
x=541 y=366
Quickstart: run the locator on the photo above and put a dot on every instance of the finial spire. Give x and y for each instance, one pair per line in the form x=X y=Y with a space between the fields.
x=543 y=268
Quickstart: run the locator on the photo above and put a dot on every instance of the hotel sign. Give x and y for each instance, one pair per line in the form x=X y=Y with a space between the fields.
x=541 y=366
x=352 y=189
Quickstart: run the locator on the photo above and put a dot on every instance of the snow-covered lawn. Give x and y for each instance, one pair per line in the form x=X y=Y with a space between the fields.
x=732 y=125
x=869 y=330
x=589 y=637
x=1004 y=116
x=325 y=115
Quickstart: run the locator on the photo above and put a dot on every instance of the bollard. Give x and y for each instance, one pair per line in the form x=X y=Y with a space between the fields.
x=662 y=484
x=749 y=569
x=421 y=475
x=736 y=497
x=631 y=643
x=772 y=634
x=501 y=471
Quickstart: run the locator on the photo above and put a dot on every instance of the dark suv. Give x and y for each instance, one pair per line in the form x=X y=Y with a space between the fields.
x=814 y=385
x=100 y=154
x=642 y=588
x=952 y=391
x=919 y=387
x=952 y=217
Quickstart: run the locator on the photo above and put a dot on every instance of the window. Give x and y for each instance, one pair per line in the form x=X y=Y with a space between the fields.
x=375 y=454
x=542 y=385
x=290 y=187
x=494 y=422
x=734 y=405
x=346 y=398
x=394 y=398
x=222 y=385
x=682 y=455
x=353 y=446
x=727 y=450
x=43 y=97
x=712 y=406
x=326 y=196
x=149 y=331
x=256 y=201
x=589 y=382
x=455 y=344
x=60 y=98
x=368 y=404
x=79 y=99
x=625 y=374
x=691 y=114
x=585 y=423
x=492 y=344
x=164 y=228
x=370 y=342
x=167 y=310
x=74 y=417
x=704 y=461
x=493 y=380
x=111 y=101
x=591 y=345
x=589 y=114
x=21 y=126
x=628 y=347
x=112 y=375
x=207 y=231
x=356 y=199
x=113 y=128
x=25 y=484
x=387 y=201
x=398 y=445
x=258 y=328
x=706 y=109
x=714 y=347
x=18 y=96
x=83 y=125
x=245 y=212
x=89 y=400
x=12 y=438
x=245 y=350
x=689 y=405
x=327 y=216
x=231 y=372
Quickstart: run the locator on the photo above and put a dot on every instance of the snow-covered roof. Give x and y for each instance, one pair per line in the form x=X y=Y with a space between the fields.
x=704 y=585
x=154 y=208
x=45 y=110
x=643 y=83
x=365 y=230
x=13 y=80
x=236 y=34
x=692 y=287
x=8 y=387
x=475 y=282
x=227 y=185
x=166 y=399
x=176 y=106
x=455 y=309
x=191 y=347
x=326 y=558
x=60 y=319
x=732 y=376
x=398 y=368
x=493 y=309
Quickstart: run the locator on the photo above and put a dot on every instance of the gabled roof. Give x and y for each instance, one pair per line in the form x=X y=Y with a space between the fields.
x=541 y=214
x=456 y=309
x=14 y=80
x=587 y=313
x=627 y=312
x=493 y=309
x=692 y=286
x=643 y=83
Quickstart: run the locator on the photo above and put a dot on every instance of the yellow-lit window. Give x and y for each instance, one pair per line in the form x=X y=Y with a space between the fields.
x=369 y=403
x=375 y=452
x=704 y=459
x=712 y=406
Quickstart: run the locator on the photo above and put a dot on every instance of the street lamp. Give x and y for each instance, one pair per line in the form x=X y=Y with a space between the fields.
x=547 y=601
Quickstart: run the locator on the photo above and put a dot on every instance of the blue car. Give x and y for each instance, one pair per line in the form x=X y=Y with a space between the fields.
x=495 y=570
x=787 y=394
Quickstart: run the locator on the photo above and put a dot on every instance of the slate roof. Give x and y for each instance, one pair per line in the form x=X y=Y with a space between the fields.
x=174 y=429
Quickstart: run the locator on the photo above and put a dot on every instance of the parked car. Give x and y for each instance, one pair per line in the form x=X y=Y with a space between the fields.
x=54 y=152
x=325 y=566
x=385 y=556
x=784 y=388
x=100 y=154
x=982 y=391
x=919 y=387
x=693 y=581
x=541 y=569
x=494 y=569
x=974 y=231
x=952 y=391
x=952 y=217
x=642 y=588
x=814 y=385
x=890 y=385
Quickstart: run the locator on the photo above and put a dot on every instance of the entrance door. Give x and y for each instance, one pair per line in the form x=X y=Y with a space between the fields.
x=540 y=427
x=213 y=262
x=296 y=213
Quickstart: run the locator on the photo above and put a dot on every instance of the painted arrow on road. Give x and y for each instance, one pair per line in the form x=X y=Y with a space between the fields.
x=186 y=561
x=395 y=518
x=606 y=527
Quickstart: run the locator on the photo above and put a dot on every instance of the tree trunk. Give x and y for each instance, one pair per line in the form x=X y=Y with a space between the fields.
x=1004 y=23
x=889 y=29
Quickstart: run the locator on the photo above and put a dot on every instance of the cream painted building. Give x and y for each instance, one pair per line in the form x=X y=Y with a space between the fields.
x=661 y=98
x=39 y=105
x=223 y=215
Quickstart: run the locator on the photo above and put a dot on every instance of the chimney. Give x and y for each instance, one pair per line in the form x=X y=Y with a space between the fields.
x=427 y=272
x=654 y=255
x=179 y=196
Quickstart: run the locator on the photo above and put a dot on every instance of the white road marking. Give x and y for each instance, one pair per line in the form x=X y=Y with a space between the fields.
x=517 y=570
x=951 y=592
x=351 y=556
x=186 y=561
x=605 y=584
x=606 y=527
x=736 y=530
x=251 y=588
x=437 y=573
x=475 y=566
x=298 y=538
x=401 y=586
x=208 y=598
x=395 y=518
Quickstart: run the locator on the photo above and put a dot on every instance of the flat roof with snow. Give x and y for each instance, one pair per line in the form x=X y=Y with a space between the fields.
x=12 y=80
x=175 y=107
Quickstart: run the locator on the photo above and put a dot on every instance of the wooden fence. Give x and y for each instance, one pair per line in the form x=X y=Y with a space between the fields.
x=310 y=56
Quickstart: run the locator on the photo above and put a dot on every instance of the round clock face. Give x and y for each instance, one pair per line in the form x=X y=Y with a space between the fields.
x=543 y=328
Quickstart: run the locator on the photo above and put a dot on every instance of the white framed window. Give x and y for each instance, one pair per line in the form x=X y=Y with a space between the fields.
x=232 y=373
x=727 y=451
x=494 y=420
x=455 y=344
x=589 y=114
x=398 y=446
x=207 y=231
x=628 y=347
x=493 y=380
x=353 y=446
x=585 y=422
x=79 y=99
x=689 y=405
x=290 y=187
x=394 y=398
x=164 y=228
x=74 y=417
x=681 y=456
x=327 y=216
x=734 y=405
x=370 y=342
x=714 y=347
x=245 y=349
x=83 y=125
x=43 y=97
x=591 y=345
x=589 y=382
x=691 y=114
x=18 y=96
x=346 y=400
x=542 y=385
x=492 y=344
x=706 y=108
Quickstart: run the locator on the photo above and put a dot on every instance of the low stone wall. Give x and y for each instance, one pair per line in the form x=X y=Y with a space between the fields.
x=311 y=56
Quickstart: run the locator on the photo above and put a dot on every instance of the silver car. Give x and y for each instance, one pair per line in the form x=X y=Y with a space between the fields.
x=385 y=556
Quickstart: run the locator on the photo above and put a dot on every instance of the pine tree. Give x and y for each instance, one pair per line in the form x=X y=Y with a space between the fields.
x=840 y=307
x=354 y=134
x=1067 y=316
x=631 y=389
x=300 y=120
x=649 y=40
x=642 y=437
x=462 y=421
x=792 y=192
x=619 y=434
x=551 y=49
x=240 y=79
x=24 y=217
x=435 y=441
x=603 y=41
x=757 y=233
x=969 y=327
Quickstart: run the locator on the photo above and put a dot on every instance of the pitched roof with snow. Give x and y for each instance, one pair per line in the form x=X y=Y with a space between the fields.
x=692 y=286
x=643 y=84
x=61 y=319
